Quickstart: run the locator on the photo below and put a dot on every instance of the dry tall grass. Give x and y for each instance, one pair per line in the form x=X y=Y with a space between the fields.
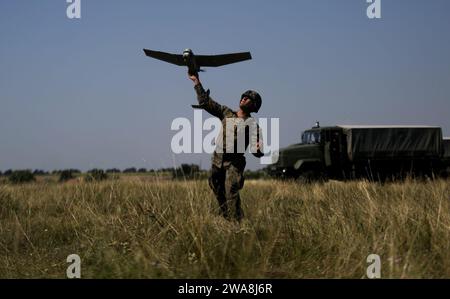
x=161 y=229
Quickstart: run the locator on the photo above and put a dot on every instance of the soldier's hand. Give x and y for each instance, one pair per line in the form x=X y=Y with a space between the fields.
x=195 y=78
x=258 y=146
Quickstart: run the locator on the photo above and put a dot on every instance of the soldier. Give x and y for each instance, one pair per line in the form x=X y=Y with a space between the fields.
x=227 y=172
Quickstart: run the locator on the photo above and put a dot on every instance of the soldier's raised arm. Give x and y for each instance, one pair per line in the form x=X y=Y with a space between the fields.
x=205 y=101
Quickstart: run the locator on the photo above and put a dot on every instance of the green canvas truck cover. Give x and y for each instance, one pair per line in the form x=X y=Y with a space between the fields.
x=446 y=148
x=388 y=142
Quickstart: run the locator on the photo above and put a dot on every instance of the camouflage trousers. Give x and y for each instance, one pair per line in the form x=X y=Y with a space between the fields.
x=226 y=183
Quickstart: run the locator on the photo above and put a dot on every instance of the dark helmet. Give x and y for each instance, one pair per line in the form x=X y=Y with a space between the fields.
x=254 y=97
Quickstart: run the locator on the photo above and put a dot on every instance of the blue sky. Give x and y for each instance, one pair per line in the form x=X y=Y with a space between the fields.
x=81 y=94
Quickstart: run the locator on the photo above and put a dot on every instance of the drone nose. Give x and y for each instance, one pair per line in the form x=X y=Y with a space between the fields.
x=187 y=52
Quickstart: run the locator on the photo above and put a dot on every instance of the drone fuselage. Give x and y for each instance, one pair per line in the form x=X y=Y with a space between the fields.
x=189 y=59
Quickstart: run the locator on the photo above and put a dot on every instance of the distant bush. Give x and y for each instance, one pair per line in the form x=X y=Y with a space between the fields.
x=130 y=170
x=8 y=172
x=142 y=170
x=113 y=170
x=39 y=172
x=96 y=175
x=21 y=176
x=66 y=175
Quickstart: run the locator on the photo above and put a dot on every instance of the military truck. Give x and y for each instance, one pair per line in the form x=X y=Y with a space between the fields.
x=374 y=152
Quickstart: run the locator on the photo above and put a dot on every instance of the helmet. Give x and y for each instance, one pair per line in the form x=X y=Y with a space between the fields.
x=254 y=97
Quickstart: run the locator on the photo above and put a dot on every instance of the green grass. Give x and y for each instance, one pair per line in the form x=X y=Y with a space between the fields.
x=135 y=228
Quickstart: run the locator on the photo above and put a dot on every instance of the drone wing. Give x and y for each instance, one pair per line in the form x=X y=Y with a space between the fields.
x=219 y=60
x=167 y=57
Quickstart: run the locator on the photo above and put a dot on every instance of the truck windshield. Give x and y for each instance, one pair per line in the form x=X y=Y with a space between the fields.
x=311 y=137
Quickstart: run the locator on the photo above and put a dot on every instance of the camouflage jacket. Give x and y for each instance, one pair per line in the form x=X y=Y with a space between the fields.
x=232 y=155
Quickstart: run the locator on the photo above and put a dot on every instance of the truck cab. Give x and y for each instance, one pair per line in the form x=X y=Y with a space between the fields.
x=316 y=156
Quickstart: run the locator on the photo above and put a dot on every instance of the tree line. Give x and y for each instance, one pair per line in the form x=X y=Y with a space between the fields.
x=77 y=171
x=185 y=171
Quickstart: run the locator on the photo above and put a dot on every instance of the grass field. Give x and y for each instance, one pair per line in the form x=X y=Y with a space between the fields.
x=137 y=228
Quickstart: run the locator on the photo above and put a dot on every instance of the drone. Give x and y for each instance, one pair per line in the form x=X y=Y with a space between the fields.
x=196 y=62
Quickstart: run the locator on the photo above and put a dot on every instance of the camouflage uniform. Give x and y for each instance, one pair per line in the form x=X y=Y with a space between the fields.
x=227 y=173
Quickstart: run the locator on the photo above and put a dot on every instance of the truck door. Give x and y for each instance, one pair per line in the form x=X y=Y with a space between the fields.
x=335 y=147
x=335 y=152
